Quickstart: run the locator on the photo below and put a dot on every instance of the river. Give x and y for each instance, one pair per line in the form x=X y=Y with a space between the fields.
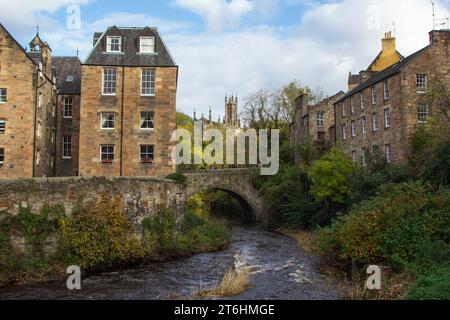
x=279 y=271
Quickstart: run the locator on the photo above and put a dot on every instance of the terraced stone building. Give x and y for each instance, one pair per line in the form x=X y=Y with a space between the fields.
x=128 y=105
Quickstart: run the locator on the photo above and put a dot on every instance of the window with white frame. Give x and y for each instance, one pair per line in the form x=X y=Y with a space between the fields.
x=387 y=118
x=422 y=113
x=2 y=126
x=148 y=82
x=67 y=147
x=52 y=161
x=114 y=44
x=107 y=152
x=39 y=129
x=40 y=100
x=374 y=95
x=147 y=45
x=3 y=96
x=41 y=70
x=362 y=100
x=363 y=125
x=68 y=108
x=320 y=119
x=2 y=156
x=352 y=105
x=388 y=152
x=38 y=158
x=343 y=109
x=344 y=132
x=147 y=153
x=107 y=120
x=374 y=122
x=147 y=120
x=109 y=81
x=421 y=83
x=386 y=92
x=353 y=128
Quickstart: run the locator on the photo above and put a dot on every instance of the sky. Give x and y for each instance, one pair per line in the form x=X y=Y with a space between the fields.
x=238 y=46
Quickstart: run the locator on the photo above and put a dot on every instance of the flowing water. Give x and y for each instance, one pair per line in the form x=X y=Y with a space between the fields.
x=279 y=270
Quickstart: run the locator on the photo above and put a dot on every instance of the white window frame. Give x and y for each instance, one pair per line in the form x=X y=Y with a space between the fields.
x=343 y=112
x=39 y=129
x=364 y=157
x=375 y=122
x=422 y=113
x=68 y=115
x=373 y=93
x=362 y=100
x=147 y=159
x=38 y=158
x=107 y=120
x=3 y=95
x=150 y=80
x=110 y=44
x=320 y=119
x=344 y=132
x=66 y=152
x=388 y=151
x=40 y=100
x=386 y=91
x=2 y=156
x=143 y=121
x=363 y=125
x=53 y=135
x=112 y=78
x=387 y=118
x=353 y=128
x=107 y=153
x=2 y=126
x=41 y=70
x=352 y=105
x=150 y=48
x=421 y=86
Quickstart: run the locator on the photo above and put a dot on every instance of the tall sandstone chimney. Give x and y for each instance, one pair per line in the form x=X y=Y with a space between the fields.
x=388 y=56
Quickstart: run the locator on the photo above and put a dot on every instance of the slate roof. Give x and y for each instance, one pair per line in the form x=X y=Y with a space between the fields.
x=130 y=56
x=68 y=67
x=383 y=75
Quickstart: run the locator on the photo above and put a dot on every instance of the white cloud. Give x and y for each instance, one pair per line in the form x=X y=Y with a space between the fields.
x=219 y=14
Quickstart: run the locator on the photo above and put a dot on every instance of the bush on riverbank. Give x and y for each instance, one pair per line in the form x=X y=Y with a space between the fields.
x=97 y=236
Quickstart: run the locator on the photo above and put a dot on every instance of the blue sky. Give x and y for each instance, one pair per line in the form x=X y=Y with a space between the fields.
x=240 y=46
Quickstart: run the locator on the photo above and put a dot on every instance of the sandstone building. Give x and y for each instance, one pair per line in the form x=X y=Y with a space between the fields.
x=128 y=105
x=68 y=75
x=313 y=121
x=382 y=112
x=27 y=109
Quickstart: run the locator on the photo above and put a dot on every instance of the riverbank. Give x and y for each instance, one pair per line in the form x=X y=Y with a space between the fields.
x=277 y=271
x=37 y=248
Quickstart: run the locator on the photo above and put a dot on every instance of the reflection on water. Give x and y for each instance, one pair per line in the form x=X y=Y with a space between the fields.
x=279 y=270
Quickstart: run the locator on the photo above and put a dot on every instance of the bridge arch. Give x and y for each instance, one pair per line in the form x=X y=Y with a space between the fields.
x=235 y=182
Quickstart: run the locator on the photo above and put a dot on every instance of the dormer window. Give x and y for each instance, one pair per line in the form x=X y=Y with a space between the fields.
x=69 y=79
x=147 y=45
x=114 y=44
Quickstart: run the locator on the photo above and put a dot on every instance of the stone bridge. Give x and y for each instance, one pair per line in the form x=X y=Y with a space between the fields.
x=235 y=182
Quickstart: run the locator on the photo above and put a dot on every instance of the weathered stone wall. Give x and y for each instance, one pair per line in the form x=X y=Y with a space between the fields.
x=140 y=197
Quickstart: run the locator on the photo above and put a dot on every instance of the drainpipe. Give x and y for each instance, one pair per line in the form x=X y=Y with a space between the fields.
x=35 y=120
x=121 y=122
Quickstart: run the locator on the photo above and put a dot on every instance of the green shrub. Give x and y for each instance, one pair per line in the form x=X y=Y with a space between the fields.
x=388 y=227
x=331 y=177
x=179 y=177
x=99 y=235
x=434 y=285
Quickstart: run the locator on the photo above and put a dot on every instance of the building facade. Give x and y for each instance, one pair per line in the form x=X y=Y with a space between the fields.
x=128 y=105
x=27 y=109
x=314 y=122
x=68 y=75
x=382 y=113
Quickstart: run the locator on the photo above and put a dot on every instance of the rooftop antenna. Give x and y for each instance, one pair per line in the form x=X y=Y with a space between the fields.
x=434 y=15
x=37 y=30
x=78 y=51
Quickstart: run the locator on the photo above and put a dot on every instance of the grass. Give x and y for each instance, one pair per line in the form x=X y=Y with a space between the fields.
x=234 y=282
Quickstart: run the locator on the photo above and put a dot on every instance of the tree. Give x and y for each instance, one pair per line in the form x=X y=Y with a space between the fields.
x=331 y=177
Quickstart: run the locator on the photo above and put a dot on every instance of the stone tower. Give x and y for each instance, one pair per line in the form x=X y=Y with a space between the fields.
x=231 y=119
